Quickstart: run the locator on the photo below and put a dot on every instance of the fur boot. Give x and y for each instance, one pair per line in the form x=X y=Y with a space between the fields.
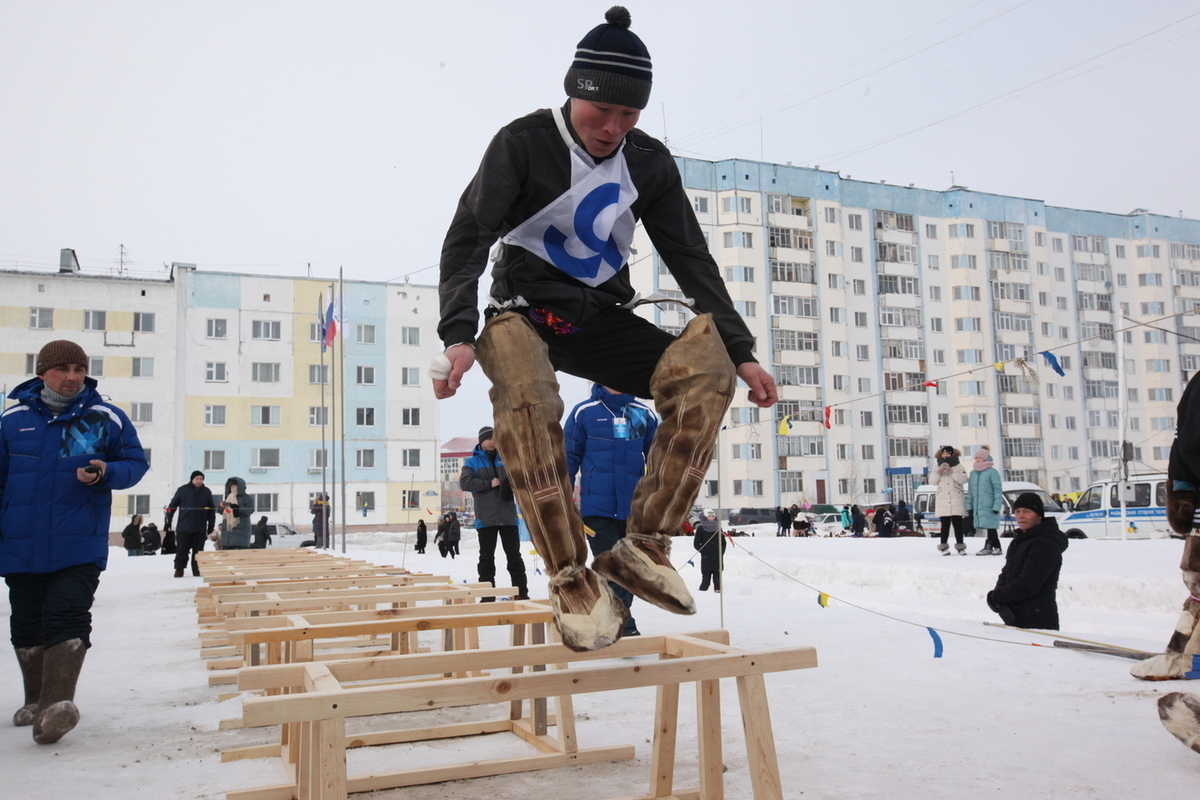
x=1167 y=667
x=527 y=409
x=30 y=659
x=1180 y=714
x=56 y=711
x=692 y=386
x=1181 y=509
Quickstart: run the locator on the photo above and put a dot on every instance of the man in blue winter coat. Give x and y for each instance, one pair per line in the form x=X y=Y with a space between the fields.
x=63 y=450
x=484 y=476
x=608 y=438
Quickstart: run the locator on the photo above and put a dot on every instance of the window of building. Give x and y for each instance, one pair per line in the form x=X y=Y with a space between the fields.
x=856 y=254
x=214 y=415
x=738 y=239
x=214 y=372
x=961 y=230
x=143 y=322
x=318 y=416
x=854 y=222
x=410 y=417
x=318 y=374
x=265 y=329
x=833 y=248
x=95 y=321
x=739 y=274
x=143 y=367
x=364 y=459
x=410 y=376
x=831 y=214
x=365 y=376
x=700 y=204
x=408 y=335
x=141 y=412
x=930 y=231
x=215 y=328
x=264 y=372
x=411 y=457
x=735 y=205
x=746 y=308
x=962 y=262
x=932 y=262
x=41 y=318
x=264 y=415
x=214 y=460
x=264 y=457
x=365 y=334
x=318 y=458
x=138 y=504
x=364 y=417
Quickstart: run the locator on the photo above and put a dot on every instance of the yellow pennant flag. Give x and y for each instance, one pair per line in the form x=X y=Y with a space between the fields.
x=999 y=365
x=823 y=600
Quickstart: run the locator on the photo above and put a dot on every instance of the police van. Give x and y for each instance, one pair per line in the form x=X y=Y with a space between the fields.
x=1097 y=512
x=924 y=502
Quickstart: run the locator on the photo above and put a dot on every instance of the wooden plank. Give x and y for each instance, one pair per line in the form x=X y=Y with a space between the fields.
x=666 y=729
x=365 y=701
x=708 y=740
x=761 y=757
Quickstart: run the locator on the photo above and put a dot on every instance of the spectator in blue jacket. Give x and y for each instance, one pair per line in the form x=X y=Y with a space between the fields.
x=483 y=475
x=608 y=438
x=63 y=451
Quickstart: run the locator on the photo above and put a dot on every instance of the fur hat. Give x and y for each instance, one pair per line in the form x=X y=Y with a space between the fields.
x=950 y=450
x=60 y=353
x=485 y=433
x=708 y=512
x=611 y=64
x=1031 y=501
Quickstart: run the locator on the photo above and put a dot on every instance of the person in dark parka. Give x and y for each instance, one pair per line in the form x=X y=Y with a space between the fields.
x=711 y=544
x=197 y=518
x=422 y=536
x=1025 y=591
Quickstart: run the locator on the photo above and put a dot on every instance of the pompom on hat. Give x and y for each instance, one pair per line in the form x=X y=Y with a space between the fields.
x=611 y=64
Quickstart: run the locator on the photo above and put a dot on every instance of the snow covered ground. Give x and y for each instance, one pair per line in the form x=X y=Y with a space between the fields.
x=879 y=718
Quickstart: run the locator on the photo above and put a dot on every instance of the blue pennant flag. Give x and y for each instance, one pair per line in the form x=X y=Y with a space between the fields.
x=1053 y=362
x=937 y=643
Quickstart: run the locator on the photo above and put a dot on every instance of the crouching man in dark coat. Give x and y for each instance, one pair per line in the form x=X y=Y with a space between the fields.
x=1025 y=591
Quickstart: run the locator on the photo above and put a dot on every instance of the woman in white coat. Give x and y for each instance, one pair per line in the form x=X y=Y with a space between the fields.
x=950 y=503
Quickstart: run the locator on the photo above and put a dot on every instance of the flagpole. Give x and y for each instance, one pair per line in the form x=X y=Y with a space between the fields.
x=341 y=315
x=324 y=421
x=333 y=409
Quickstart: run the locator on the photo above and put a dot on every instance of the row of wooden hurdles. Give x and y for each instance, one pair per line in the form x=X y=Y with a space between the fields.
x=311 y=639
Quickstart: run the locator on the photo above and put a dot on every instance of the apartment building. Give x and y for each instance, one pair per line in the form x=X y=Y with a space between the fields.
x=897 y=320
x=224 y=372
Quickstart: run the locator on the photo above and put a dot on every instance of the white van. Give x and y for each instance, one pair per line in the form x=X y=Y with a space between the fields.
x=1097 y=513
x=924 y=503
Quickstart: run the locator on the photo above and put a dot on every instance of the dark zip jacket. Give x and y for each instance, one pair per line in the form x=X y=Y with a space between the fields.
x=526 y=167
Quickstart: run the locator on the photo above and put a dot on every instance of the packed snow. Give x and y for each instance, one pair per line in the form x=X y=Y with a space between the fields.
x=879 y=718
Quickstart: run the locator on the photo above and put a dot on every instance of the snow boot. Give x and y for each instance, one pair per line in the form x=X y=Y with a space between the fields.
x=589 y=615
x=1180 y=715
x=692 y=386
x=526 y=411
x=987 y=551
x=961 y=548
x=944 y=548
x=30 y=659
x=178 y=573
x=56 y=711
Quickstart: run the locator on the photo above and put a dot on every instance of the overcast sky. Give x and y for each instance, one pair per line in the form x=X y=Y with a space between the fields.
x=269 y=136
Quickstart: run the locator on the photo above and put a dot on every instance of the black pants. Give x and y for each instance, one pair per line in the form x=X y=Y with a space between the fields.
x=958 y=528
x=608 y=532
x=52 y=607
x=510 y=540
x=186 y=546
x=614 y=348
x=714 y=576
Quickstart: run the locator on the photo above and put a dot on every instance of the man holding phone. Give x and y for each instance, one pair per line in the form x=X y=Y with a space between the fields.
x=63 y=450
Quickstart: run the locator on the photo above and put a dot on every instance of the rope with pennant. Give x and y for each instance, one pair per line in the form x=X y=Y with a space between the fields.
x=824 y=598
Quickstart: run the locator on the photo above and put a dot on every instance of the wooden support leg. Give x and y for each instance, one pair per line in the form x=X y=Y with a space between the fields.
x=708 y=730
x=321 y=770
x=516 y=707
x=760 y=739
x=666 y=721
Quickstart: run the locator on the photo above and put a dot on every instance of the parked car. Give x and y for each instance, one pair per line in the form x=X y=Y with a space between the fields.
x=751 y=516
x=828 y=524
x=281 y=529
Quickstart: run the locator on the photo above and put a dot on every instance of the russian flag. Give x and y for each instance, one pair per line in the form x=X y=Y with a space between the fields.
x=332 y=322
